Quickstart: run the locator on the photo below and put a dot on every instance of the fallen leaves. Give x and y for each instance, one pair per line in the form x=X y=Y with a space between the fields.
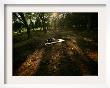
x=30 y=66
x=68 y=50
x=93 y=56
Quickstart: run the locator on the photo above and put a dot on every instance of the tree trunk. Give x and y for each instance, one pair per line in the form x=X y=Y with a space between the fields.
x=44 y=28
x=26 y=25
x=43 y=22
x=88 y=23
x=28 y=32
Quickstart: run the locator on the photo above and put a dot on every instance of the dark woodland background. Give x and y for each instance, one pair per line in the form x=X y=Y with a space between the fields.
x=37 y=52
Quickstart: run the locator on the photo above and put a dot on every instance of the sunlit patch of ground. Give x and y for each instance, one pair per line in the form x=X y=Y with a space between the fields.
x=30 y=66
x=93 y=55
x=74 y=50
x=56 y=55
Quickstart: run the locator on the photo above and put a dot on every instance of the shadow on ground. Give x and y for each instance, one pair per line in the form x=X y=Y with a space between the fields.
x=61 y=59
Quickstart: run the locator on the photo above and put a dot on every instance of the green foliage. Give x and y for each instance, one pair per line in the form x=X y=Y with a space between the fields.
x=53 y=20
x=17 y=26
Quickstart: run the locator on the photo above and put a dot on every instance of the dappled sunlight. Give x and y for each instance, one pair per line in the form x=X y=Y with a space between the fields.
x=93 y=55
x=55 y=58
x=55 y=43
x=73 y=48
x=30 y=66
x=54 y=14
x=74 y=51
x=63 y=55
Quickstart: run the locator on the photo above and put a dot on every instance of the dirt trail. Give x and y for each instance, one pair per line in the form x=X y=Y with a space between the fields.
x=65 y=58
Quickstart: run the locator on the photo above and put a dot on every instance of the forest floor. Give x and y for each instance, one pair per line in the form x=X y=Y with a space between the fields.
x=76 y=56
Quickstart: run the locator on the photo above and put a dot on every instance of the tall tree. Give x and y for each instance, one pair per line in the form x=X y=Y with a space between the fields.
x=22 y=18
x=25 y=23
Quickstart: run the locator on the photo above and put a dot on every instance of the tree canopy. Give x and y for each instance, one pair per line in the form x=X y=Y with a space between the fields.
x=53 y=20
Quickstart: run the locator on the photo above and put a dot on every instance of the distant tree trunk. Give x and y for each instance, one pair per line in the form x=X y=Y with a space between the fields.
x=88 y=22
x=28 y=32
x=20 y=31
x=43 y=22
x=45 y=30
x=32 y=24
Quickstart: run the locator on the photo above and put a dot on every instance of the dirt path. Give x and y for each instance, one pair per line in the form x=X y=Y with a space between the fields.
x=65 y=58
x=30 y=66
